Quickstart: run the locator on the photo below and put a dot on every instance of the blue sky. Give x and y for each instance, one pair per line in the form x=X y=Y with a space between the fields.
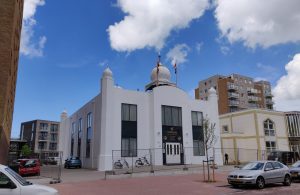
x=65 y=47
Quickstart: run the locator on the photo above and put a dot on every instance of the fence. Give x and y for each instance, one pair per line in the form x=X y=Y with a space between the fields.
x=152 y=160
x=46 y=164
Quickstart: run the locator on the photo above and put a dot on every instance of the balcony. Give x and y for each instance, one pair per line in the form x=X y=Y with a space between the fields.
x=232 y=87
x=43 y=138
x=232 y=95
x=44 y=130
x=269 y=102
x=251 y=105
x=268 y=95
x=252 y=99
x=252 y=91
x=233 y=103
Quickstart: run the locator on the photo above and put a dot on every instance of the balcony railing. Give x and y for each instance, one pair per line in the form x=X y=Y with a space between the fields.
x=252 y=99
x=252 y=91
x=268 y=95
x=232 y=95
x=43 y=138
x=44 y=129
x=233 y=103
x=253 y=105
x=269 y=102
x=232 y=87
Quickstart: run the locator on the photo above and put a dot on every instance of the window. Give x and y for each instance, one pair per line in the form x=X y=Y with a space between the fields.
x=88 y=135
x=54 y=128
x=4 y=181
x=269 y=128
x=277 y=165
x=270 y=145
x=171 y=116
x=79 y=137
x=43 y=126
x=129 y=130
x=198 y=137
x=225 y=129
x=72 y=138
x=269 y=166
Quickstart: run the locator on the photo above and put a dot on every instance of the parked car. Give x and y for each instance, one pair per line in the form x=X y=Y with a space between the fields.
x=72 y=162
x=260 y=173
x=13 y=183
x=295 y=170
x=29 y=167
x=52 y=161
x=286 y=157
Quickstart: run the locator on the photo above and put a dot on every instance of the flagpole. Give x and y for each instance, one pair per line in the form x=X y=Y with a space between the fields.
x=157 y=69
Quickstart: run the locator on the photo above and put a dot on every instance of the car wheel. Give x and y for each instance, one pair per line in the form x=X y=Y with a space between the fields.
x=287 y=180
x=260 y=182
x=234 y=185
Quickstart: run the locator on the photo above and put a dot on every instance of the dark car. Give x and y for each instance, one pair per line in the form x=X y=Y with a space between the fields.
x=72 y=162
x=285 y=157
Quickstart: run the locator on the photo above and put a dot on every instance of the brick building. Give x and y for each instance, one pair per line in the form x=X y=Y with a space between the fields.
x=236 y=92
x=11 y=13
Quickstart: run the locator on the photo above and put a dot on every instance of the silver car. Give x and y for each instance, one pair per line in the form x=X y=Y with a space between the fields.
x=260 y=173
x=295 y=170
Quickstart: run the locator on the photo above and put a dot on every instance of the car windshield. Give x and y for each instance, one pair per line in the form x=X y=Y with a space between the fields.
x=253 y=166
x=20 y=179
x=296 y=164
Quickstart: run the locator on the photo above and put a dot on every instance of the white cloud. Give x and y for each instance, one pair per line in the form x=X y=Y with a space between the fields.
x=199 y=46
x=224 y=49
x=257 y=22
x=149 y=22
x=28 y=46
x=103 y=63
x=287 y=90
x=178 y=54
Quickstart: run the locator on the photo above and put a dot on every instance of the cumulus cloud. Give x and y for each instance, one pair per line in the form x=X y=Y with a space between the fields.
x=287 y=90
x=178 y=53
x=28 y=46
x=259 y=23
x=149 y=22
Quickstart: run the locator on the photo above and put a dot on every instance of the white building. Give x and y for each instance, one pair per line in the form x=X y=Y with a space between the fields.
x=250 y=134
x=162 y=121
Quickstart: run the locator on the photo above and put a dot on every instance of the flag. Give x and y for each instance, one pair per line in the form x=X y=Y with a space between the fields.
x=175 y=68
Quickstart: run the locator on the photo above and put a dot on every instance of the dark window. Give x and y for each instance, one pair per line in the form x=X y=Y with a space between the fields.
x=79 y=137
x=88 y=135
x=269 y=128
x=72 y=138
x=171 y=116
x=198 y=136
x=129 y=130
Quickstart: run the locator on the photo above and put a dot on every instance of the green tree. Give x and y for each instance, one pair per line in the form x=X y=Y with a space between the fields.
x=25 y=151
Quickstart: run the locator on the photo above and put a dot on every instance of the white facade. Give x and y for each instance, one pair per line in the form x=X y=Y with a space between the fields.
x=106 y=109
x=250 y=134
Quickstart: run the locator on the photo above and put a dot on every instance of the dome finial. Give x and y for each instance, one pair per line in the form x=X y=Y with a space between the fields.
x=107 y=72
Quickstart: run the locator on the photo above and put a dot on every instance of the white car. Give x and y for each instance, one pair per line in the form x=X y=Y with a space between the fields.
x=12 y=183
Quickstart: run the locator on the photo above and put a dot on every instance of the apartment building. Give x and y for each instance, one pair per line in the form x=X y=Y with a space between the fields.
x=11 y=13
x=236 y=92
x=293 y=128
x=41 y=135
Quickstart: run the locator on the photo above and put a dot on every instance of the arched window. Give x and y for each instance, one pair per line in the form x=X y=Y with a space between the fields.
x=269 y=128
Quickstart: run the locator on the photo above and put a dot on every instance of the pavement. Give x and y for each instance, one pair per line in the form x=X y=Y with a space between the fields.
x=175 y=182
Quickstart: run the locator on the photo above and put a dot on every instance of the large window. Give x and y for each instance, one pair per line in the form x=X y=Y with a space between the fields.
x=171 y=116
x=79 y=137
x=89 y=135
x=269 y=128
x=129 y=130
x=72 y=138
x=270 y=145
x=198 y=137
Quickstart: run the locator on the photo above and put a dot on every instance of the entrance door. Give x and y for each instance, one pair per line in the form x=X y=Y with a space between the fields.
x=172 y=153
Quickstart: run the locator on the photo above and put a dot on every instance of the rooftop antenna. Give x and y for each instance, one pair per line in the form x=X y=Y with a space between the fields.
x=157 y=68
